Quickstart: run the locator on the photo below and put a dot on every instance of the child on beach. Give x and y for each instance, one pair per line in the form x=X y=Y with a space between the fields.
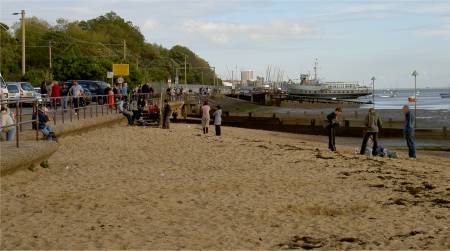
x=331 y=128
x=205 y=117
x=218 y=120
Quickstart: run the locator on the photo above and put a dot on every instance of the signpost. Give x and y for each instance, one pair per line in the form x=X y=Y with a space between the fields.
x=121 y=69
x=109 y=74
x=120 y=80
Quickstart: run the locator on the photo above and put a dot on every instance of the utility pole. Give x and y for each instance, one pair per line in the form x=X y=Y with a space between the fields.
x=203 y=83
x=23 y=42
x=124 y=49
x=373 y=91
x=50 y=59
x=415 y=97
x=22 y=22
x=50 y=54
x=185 y=71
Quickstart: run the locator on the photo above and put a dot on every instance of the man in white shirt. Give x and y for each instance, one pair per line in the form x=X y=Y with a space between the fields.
x=76 y=91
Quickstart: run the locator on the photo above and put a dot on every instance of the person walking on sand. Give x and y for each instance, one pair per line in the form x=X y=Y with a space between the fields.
x=205 y=117
x=167 y=111
x=373 y=124
x=331 y=128
x=218 y=119
x=409 y=132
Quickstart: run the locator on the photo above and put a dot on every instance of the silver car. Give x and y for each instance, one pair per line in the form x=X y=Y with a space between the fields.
x=23 y=91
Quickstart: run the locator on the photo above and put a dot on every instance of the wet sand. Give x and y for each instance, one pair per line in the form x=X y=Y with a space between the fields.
x=146 y=188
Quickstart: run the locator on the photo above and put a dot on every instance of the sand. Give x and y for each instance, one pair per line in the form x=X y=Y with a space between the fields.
x=147 y=188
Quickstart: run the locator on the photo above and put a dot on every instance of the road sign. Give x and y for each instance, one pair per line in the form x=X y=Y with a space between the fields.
x=120 y=80
x=109 y=74
x=121 y=69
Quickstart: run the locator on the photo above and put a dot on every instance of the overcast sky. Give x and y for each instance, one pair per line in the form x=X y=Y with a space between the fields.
x=353 y=40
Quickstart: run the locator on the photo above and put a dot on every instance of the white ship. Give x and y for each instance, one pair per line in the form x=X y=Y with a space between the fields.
x=312 y=87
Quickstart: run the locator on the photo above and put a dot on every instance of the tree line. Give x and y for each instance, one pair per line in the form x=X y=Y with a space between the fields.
x=87 y=49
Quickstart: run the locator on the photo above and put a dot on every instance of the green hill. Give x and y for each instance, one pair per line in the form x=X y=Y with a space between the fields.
x=87 y=50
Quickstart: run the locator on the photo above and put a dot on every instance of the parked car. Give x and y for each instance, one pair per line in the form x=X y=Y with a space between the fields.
x=37 y=90
x=13 y=93
x=26 y=91
x=3 y=90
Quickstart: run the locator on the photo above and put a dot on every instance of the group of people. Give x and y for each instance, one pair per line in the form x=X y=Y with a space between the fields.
x=175 y=93
x=206 y=118
x=373 y=124
x=60 y=94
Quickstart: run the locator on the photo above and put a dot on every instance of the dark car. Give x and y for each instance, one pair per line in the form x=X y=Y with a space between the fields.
x=95 y=87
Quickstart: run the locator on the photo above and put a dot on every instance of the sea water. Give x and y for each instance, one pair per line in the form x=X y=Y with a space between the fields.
x=427 y=99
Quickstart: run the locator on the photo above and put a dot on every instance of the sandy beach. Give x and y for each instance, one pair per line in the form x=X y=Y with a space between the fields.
x=147 y=188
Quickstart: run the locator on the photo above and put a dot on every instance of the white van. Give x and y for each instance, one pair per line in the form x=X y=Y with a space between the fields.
x=3 y=90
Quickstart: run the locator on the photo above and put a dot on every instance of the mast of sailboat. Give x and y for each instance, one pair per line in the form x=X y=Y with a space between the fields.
x=315 y=69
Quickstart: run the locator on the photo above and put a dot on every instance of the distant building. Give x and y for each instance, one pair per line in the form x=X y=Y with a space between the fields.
x=246 y=76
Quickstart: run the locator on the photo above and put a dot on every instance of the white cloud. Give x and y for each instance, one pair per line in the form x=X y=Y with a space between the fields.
x=224 y=32
x=440 y=32
x=150 y=24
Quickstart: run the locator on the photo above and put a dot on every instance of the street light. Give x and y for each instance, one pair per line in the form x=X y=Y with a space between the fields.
x=414 y=74
x=373 y=91
x=22 y=21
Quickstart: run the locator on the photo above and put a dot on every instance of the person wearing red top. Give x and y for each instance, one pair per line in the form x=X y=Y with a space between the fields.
x=55 y=93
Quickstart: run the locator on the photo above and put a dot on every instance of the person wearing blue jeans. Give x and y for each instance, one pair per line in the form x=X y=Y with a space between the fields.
x=43 y=127
x=7 y=123
x=410 y=132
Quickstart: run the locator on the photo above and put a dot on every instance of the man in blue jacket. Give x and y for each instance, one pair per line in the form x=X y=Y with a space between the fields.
x=409 y=132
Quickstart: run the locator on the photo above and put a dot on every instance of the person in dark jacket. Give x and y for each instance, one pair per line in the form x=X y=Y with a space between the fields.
x=43 y=118
x=409 y=132
x=44 y=90
x=331 y=127
x=167 y=111
x=373 y=124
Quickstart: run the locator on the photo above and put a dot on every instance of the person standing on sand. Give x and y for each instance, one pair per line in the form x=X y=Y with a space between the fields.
x=331 y=128
x=218 y=119
x=166 y=114
x=205 y=117
x=410 y=132
x=373 y=124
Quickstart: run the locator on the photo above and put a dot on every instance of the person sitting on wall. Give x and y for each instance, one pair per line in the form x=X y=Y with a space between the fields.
x=43 y=118
x=123 y=108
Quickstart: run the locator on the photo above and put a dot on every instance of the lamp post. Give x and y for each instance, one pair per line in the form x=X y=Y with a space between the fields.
x=22 y=21
x=373 y=91
x=414 y=74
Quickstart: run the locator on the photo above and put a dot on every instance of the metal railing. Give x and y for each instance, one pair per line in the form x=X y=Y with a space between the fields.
x=62 y=109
